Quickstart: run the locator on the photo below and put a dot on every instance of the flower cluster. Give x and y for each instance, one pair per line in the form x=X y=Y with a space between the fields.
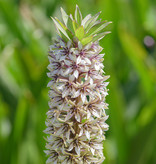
x=76 y=117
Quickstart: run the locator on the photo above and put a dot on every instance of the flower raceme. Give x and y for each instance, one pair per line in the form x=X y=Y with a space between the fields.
x=76 y=117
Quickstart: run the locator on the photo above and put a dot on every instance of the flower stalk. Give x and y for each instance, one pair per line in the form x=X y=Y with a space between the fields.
x=76 y=116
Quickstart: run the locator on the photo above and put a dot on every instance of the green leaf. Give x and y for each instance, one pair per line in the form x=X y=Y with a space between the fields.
x=70 y=25
x=86 y=40
x=91 y=21
x=75 y=25
x=64 y=16
x=78 y=15
x=138 y=56
x=79 y=33
x=20 y=118
x=60 y=28
x=63 y=28
x=86 y=19
x=147 y=113
x=95 y=29
x=143 y=144
x=69 y=33
x=100 y=36
x=63 y=36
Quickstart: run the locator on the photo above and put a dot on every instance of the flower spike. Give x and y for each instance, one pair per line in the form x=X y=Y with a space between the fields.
x=78 y=89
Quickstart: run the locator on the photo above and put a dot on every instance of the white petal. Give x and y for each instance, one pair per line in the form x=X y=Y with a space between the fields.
x=92 y=150
x=98 y=76
x=62 y=43
x=55 y=162
x=60 y=86
x=77 y=149
x=50 y=67
x=60 y=131
x=88 y=46
x=73 y=131
x=81 y=132
x=76 y=94
x=83 y=97
x=106 y=126
x=84 y=69
x=69 y=115
x=99 y=95
x=67 y=135
x=97 y=66
x=62 y=58
x=83 y=62
x=79 y=45
x=65 y=93
x=98 y=146
x=76 y=73
x=49 y=160
x=87 y=61
x=67 y=62
x=64 y=162
x=106 y=77
x=60 y=107
x=80 y=103
x=49 y=74
x=88 y=114
x=50 y=84
x=91 y=81
x=86 y=77
x=78 y=60
x=71 y=77
x=87 y=134
x=70 y=147
x=106 y=83
x=72 y=57
x=95 y=113
x=66 y=71
x=77 y=117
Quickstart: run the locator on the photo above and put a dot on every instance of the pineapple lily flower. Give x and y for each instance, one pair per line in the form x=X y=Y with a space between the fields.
x=76 y=117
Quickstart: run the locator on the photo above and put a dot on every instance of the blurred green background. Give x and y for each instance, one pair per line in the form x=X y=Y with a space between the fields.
x=25 y=34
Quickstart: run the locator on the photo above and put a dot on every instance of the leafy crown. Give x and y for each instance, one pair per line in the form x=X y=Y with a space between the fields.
x=85 y=30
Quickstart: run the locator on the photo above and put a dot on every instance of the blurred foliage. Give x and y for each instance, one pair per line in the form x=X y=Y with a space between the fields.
x=25 y=33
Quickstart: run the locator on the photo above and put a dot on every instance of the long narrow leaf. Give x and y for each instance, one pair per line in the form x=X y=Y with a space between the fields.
x=95 y=27
x=100 y=36
x=64 y=16
x=80 y=32
x=100 y=28
x=91 y=21
x=78 y=15
x=85 y=19
x=69 y=33
x=137 y=55
x=60 y=28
